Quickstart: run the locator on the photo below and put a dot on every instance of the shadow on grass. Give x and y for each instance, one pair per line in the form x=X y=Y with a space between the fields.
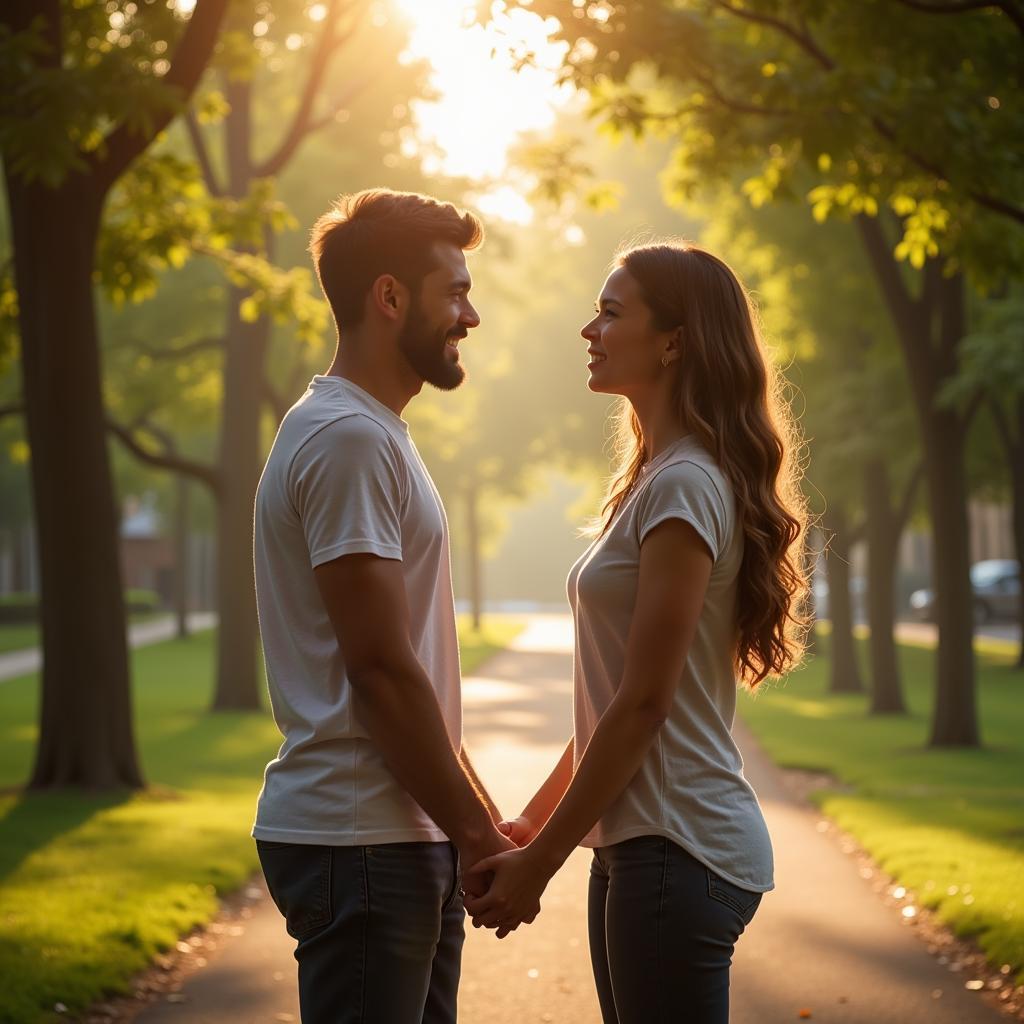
x=35 y=819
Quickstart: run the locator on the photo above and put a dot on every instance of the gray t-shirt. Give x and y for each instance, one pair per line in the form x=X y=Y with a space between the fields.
x=690 y=787
x=344 y=477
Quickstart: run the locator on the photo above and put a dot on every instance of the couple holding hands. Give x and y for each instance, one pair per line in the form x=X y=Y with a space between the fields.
x=374 y=833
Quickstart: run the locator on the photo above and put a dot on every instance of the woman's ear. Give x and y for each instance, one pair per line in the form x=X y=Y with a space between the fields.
x=673 y=347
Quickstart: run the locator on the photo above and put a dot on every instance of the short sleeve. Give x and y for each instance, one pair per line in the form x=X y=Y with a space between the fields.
x=346 y=485
x=686 y=491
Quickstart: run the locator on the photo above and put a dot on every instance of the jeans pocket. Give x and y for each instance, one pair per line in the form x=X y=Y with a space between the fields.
x=299 y=880
x=743 y=901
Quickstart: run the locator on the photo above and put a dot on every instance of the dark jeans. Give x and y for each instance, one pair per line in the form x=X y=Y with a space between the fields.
x=379 y=929
x=662 y=931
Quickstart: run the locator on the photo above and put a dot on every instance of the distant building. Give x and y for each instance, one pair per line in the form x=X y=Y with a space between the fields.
x=147 y=557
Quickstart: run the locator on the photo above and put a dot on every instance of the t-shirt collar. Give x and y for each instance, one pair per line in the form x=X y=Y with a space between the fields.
x=378 y=409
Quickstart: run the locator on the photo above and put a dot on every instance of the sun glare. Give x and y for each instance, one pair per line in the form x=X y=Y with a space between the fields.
x=485 y=97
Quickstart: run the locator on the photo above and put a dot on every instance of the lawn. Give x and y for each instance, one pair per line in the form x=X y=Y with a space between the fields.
x=18 y=638
x=91 y=888
x=949 y=824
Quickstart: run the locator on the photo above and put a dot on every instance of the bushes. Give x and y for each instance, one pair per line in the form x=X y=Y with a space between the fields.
x=22 y=609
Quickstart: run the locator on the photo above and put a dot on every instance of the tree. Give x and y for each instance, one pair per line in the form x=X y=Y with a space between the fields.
x=850 y=95
x=993 y=364
x=78 y=108
x=262 y=134
x=823 y=320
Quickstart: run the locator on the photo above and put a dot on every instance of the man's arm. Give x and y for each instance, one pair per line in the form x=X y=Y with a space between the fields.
x=467 y=766
x=365 y=599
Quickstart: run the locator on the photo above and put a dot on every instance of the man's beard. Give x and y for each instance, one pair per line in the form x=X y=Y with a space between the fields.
x=424 y=348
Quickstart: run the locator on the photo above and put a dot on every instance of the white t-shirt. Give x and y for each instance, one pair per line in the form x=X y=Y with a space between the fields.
x=690 y=787
x=343 y=476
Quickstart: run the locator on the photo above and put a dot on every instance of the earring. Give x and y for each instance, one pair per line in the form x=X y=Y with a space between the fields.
x=664 y=360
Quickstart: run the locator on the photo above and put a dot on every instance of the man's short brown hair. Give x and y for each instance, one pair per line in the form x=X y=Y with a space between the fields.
x=376 y=232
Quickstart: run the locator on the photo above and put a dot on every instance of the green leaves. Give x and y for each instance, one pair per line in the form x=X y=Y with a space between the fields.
x=161 y=215
x=57 y=109
x=872 y=101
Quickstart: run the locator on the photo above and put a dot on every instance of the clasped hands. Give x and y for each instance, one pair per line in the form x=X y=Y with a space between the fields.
x=503 y=891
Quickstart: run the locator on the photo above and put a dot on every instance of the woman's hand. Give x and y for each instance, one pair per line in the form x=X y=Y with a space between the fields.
x=513 y=897
x=520 y=830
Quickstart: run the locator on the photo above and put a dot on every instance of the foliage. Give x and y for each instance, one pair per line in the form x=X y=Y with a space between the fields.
x=114 y=57
x=824 y=323
x=882 y=106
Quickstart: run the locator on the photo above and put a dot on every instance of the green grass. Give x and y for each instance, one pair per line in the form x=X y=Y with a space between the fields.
x=92 y=887
x=948 y=823
x=18 y=638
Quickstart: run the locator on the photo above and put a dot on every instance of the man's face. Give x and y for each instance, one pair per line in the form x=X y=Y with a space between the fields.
x=440 y=316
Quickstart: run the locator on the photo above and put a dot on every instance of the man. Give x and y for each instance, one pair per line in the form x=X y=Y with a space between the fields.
x=370 y=805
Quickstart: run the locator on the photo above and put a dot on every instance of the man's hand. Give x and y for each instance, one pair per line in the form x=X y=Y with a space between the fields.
x=476 y=883
x=518 y=880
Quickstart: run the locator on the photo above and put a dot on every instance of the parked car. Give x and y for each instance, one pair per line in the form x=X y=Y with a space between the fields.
x=996 y=586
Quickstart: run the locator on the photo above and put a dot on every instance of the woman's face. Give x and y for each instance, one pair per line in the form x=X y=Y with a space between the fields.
x=625 y=347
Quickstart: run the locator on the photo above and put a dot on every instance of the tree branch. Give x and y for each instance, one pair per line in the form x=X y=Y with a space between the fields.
x=189 y=348
x=959 y=6
x=325 y=119
x=195 y=134
x=993 y=203
x=736 y=105
x=166 y=459
x=803 y=39
x=807 y=43
x=911 y=323
x=880 y=254
x=302 y=124
x=191 y=56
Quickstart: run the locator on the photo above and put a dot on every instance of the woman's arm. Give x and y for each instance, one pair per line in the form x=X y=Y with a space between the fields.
x=522 y=830
x=675 y=567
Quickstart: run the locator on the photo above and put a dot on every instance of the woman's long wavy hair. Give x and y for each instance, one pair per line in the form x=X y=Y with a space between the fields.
x=729 y=395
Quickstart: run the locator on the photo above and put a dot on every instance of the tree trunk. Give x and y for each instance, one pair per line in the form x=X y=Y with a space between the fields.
x=955 y=720
x=475 y=562
x=19 y=570
x=85 y=736
x=844 y=671
x=929 y=329
x=181 y=579
x=810 y=557
x=1016 y=457
x=883 y=534
x=238 y=684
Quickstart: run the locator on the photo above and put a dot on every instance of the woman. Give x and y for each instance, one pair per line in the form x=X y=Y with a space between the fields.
x=693 y=580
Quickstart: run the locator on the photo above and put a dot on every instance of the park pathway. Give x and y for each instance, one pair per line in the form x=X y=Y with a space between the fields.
x=823 y=946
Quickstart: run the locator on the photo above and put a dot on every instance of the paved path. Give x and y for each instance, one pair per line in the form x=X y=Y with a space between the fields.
x=823 y=942
x=20 y=663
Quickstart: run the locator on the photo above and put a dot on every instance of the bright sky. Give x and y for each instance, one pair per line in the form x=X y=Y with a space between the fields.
x=484 y=104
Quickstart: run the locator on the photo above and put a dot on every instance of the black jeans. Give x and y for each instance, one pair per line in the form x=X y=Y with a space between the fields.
x=379 y=929
x=662 y=932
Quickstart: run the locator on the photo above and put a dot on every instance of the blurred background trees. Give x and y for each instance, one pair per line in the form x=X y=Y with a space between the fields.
x=859 y=165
